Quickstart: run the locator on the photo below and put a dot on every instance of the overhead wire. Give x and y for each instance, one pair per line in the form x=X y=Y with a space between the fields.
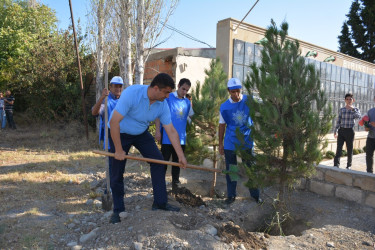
x=185 y=34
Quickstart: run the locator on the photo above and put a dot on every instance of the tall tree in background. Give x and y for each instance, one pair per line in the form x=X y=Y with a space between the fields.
x=149 y=22
x=203 y=137
x=291 y=119
x=102 y=38
x=357 y=37
x=124 y=34
x=38 y=62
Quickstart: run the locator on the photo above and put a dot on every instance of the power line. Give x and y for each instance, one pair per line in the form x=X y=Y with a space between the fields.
x=246 y=15
x=185 y=34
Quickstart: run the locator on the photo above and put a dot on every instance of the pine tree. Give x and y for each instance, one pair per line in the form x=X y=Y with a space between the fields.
x=291 y=118
x=202 y=135
x=357 y=37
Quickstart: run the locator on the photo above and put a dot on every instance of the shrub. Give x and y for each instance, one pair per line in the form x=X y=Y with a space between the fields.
x=355 y=151
x=344 y=153
x=330 y=154
x=364 y=149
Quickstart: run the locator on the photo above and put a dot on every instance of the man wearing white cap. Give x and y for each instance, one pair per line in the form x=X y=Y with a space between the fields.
x=115 y=89
x=235 y=114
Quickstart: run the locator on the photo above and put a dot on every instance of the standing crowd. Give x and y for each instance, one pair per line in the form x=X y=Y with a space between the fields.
x=131 y=111
x=6 y=110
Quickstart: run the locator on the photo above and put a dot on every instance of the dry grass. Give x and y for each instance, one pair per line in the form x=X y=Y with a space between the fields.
x=44 y=170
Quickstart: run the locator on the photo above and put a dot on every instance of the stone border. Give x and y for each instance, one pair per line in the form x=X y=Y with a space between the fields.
x=342 y=183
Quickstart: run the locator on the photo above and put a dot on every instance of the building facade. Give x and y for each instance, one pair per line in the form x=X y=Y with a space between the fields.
x=179 y=63
x=236 y=46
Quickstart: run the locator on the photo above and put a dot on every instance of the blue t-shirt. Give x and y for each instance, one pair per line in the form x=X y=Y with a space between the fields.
x=236 y=115
x=134 y=106
x=179 y=113
x=111 y=104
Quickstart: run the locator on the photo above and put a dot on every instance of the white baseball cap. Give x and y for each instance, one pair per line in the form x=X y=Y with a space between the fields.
x=234 y=83
x=117 y=80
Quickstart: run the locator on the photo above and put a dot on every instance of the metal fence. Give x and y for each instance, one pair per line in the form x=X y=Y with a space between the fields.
x=336 y=81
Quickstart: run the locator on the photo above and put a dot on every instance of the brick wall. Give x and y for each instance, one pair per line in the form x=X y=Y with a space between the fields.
x=342 y=183
x=152 y=68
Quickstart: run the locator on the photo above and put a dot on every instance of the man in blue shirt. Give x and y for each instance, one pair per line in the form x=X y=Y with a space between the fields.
x=234 y=113
x=344 y=131
x=137 y=107
x=180 y=108
x=115 y=89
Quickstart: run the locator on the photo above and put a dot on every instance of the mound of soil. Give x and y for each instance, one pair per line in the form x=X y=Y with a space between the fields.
x=234 y=233
x=185 y=196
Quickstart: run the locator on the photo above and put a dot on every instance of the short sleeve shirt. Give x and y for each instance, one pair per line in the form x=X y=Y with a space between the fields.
x=134 y=106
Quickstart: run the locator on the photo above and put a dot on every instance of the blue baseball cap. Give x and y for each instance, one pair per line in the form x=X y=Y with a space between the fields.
x=234 y=83
x=117 y=80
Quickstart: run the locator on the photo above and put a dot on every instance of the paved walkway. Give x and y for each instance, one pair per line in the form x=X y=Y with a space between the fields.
x=358 y=164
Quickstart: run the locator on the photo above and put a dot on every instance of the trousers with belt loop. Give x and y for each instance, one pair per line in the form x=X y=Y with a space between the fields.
x=344 y=135
x=146 y=145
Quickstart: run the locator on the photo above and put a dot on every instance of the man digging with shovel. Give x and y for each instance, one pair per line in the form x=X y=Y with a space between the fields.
x=137 y=107
x=99 y=108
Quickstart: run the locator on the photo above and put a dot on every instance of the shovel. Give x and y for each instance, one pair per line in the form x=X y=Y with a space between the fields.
x=106 y=197
x=232 y=172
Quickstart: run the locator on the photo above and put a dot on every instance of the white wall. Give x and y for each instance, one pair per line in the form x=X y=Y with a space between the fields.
x=192 y=68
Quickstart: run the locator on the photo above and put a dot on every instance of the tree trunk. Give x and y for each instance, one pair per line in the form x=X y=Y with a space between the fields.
x=139 y=63
x=125 y=43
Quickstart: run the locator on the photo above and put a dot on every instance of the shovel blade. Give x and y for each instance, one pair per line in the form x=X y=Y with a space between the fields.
x=107 y=202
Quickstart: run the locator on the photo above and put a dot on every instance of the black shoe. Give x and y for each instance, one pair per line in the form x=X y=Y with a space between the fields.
x=337 y=166
x=176 y=182
x=349 y=167
x=166 y=207
x=259 y=201
x=230 y=200
x=115 y=218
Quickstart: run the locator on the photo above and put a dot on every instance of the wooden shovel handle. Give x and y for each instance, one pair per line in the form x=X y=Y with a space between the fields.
x=158 y=161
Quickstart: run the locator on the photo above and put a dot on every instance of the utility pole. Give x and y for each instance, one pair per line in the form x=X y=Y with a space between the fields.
x=80 y=73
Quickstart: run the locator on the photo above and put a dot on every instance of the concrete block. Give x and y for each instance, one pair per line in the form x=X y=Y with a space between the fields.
x=349 y=193
x=370 y=200
x=322 y=188
x=301 y=184
x=365 y=182
x=319 y=174
x=338 y=177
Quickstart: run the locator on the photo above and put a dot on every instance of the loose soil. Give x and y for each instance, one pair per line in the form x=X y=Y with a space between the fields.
x=51 y=184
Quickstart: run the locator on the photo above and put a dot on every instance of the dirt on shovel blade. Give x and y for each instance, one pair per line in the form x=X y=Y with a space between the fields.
x=185 y=196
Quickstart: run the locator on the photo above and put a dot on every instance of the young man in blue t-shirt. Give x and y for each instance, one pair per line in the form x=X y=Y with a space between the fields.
x=181 y=110
x=115 y=89
x=137 y=107
x=234 y=113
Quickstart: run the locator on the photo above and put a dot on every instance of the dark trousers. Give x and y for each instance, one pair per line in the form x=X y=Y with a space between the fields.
x=9 y=114
x=231 y=159
x=167 y=151
x=370 y=147
x=145 y=143
x=344 y=135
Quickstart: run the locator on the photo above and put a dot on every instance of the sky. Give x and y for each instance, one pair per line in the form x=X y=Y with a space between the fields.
x=314 y=21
